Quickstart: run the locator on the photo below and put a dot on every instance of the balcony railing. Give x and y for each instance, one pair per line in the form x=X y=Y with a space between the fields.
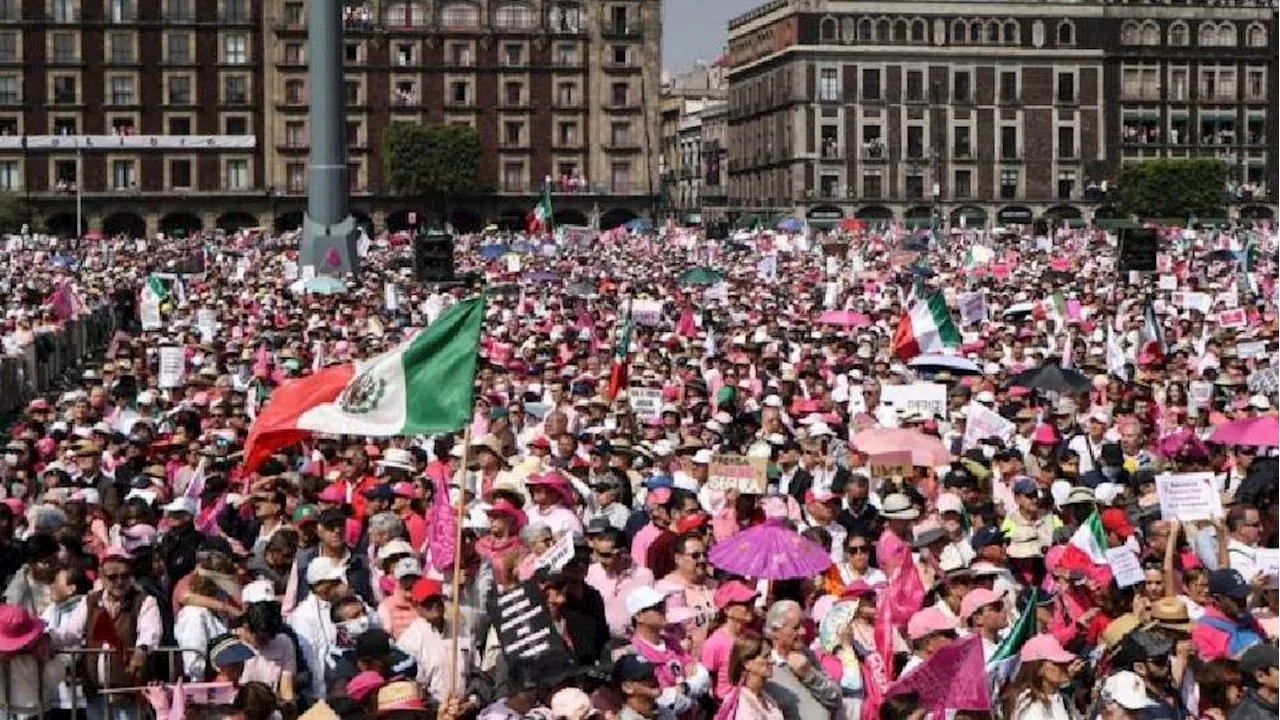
x=832 y=152
x=624 y=30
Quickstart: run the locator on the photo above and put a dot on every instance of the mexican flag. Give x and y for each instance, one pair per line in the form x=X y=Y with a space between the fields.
x=1055 y=309
x=425 y=386
x=1004 y=663
x=1087 y=546
x=540 y=218
x=1152 y=333
x=926 y=328
x=153 y=294
x=618 y=375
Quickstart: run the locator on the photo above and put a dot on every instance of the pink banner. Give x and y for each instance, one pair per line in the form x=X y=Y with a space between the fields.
x=954 y=678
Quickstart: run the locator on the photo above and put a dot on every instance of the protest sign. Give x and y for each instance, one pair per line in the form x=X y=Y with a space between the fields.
x=289 y=269
x=646 y=312
x=1201 y=392
x=523 y=624
x=1169 y=282
x=390 y=299
x=973 y=307
x=1228 y=300
x=1232 y=319
x=556 y=556
x=207 y=322
x=1198 y=301
x=513 y=263
x=747 y=475
x=1188 y=496
x=923 y=397
x=981 y=422
x=1164 y=264
x=896 y=464
x=308 y=272
x=1252 y=349
x=1126 y=568
x=645 y=402
x=173 y=367
x=1267 y=562
x=718 y=292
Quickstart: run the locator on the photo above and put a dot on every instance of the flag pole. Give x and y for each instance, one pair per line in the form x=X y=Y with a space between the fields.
x=455 y=610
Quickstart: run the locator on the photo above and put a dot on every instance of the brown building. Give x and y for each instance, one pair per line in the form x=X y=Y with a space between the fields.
x=155 y=115
x=992 y=113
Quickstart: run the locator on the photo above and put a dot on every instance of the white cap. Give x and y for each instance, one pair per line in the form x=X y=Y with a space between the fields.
x=644 y=597
x=258 y=591
x=820 y=429
x=664 y=447
x=181 y=505
x=407 y=567
x=1100 y=416
x=323 y=569
x=146 y=397
x=949 y=502
x=395 y=547
x=1259 y=402
x=773 y=401
x=1127 y=690
x=986 y=397
x=702 y=457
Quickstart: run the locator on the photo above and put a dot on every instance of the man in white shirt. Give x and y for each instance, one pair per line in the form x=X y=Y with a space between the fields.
x=311 y=619
x=1245 y=526
x=983 y=612
x=1089 y=445
x=426 y=640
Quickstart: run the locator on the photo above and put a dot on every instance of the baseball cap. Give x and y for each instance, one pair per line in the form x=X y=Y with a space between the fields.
x=1045 y=647
x=975 y=600
x=426 y=588
x=1025 y=486
x=1229 y=582
x=929 y=621
x=984 y=536
x=1127 y=690
x=702 y=457
x=633 y=668
x=598 y=526
x=1258 y=658
x=658 y=496
x=644 y=598
x=323 y=569
x=407 y=567
x=733 y=592
x=949 y=502
x=305 y=514
x=1114 y=520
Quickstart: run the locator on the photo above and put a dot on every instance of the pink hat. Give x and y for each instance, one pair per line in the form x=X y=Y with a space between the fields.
x=16 y=505
x=503 y=506
x=1045 y=647
x=332 y=494
x=1045 y=435
x=364 y=683
x=556 y=482
x=18 y=628
x=975 y=600
x=116 y=552
x=858 y=588
x=403 y=489
x=734 y=591
x=928 y=621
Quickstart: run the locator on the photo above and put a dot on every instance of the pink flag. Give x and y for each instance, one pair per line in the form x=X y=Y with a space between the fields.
x=64 y=303
x=904 y=593
x=686 y=326
x=954 y=678
x=441 y=523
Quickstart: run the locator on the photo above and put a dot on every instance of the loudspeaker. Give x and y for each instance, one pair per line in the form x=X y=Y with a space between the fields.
x=433 y=257
x=1138 y=248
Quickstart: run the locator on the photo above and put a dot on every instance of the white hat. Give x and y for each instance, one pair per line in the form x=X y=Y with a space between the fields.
x=897 y=506
x=182 y=504
x=949 y=502
x=644 y=597
x=258 y=591
x=1100 y=416
x=664 y=448
x=702 y=457
x=395 y=547
x=397 y=458
x=820 y=429
x=986 y=397
x=772 y=401
x=1259 y=402
x=146 y=397
x=1127 y=690
x=407 y=567
x=324 y=569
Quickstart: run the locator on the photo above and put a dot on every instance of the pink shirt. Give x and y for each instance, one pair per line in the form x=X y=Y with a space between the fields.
x=715 y=658
x=559 y=518
x=614 y=590
x=396 y=614
x=641 y=542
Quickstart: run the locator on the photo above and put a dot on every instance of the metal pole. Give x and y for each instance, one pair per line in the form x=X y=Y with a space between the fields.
x=79 y=193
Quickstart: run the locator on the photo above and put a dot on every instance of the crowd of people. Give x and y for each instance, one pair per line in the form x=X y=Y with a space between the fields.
x=945 y=496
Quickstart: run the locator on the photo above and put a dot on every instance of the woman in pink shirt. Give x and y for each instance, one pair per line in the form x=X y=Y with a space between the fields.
x=736 y=602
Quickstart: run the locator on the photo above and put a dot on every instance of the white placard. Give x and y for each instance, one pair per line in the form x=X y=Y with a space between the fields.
x=645 y=402
x=1200 y=392
x=149 y=312
x=390 y=298
x=924 y=397
x=981 y=422
x=290 y=270
x=558 y=555
x=1251 y=349
x=1228 y=300
x=1126 y=568
x=973 y=308
x=308 y=272
x=173 y=367
x=646 y=312
x=1267 y=561
x=719 y=291
x=1197 y=301
x=513 y=263
x=1188 y=496
x=207 y=321
x=1169 y=282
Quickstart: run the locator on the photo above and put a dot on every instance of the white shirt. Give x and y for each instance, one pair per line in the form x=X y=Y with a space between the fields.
x=193 y=628
x=1242 y=559
x=425 y=644
x=1082 y=445
x=310 y=620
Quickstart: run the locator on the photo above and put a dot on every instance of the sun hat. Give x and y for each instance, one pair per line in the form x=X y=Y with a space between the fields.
x=503 y=506
x=975 y=600
x=1127 y=690
x=949 y=502
x=230 y=650
x=897 y=506
x=734 y=591
x=400 y=695
x=397 y=458
x=18 y=628
x=181 y=504
x=1044 y=647
x=1171 y=613
x=364 y=683
x=929 y=621
x=1116 y=630
x=570 y=704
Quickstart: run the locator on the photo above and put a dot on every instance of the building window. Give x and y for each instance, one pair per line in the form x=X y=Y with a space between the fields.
x=514 y=16
x=66 y=174
x=351 y=53
x=65 y=126
x=964 y=184
x=405 y=93
x=1255 y=87
x=9 y=125
x=406 y=14
x=919 y=33
x=1217 y=83
x=513 y=54
x=1066 y=142
x=828 y=85
x=871 y=84
x=180 y=90
x=882 y=30
x=1008 y=184
x=620 y=176
x=295 y=175
x=1066 y=87
x=179 y=48
x=460 y=15
x=180 y=174
x=962 y=86
x=65 y=90
x=513 y=177
x=123 y=175
x=65 y=11
x=120 y=48
x=235 y=125
x=565 y=18
x=121 y=11
x=293 y=54
x=1066 y=33
x=958 y=32
x=65 y=47
x=235 y=11
x=961 y=142
x=460 y=54
x=235 y=90
x=122 y=90
x=1140 y=82
x=1178 y=35
x=975 y=32
x=351 y=91
x=620 y=134
x=405 y=54
x=1178 y=84
x=872 y=186
x=565 y=93
x=9 y=178
x=864 y=29
x=915 y=142
x=620 y=55
x=915 y=86
x=295 y=92
x=179 y=125
x=1009 y=142
x=1226 y=35
x=1129 y=32
x=513 y=93
x=235 y=49
x=915 y=185
x=1011 y=34
x=566 y=55
x=1256 y=36
x=460 y=92
x=353 y=135
x=295 y=134
x=180 y=10
x=237 y=174
x=567 y=133
x=618 y=94
x=512 y=132
x=827 y=29
x=1008 y=86
x=1066 y=184
x=8 y=47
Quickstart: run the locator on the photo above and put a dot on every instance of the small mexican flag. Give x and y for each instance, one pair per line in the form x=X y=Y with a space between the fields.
x=540 y=218
x=926 y=328
x=618 y=375
x=1055 y=309
x=1004 y=663
x=1087 y=546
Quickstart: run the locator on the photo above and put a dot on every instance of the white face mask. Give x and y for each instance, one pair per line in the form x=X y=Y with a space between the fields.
x=354 y=627
x=11 y=459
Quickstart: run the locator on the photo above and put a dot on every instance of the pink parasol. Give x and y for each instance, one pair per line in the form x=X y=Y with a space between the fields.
x=847 y=318
x=926 y=450
x=1257 y=431
x=772 y=551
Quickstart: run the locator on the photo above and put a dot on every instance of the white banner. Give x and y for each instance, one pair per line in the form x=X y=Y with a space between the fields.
x=1188 y=496
x=646 y=403
x=925 y=397
x=173 y=367
x=646 y=312
x=973 y=308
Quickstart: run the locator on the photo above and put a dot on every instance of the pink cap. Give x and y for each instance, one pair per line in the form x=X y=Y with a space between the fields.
x=332 y=494
x=364 y=683
x=657 y=496
x=975 y=600
x=1045 y=435
x=928 y=621
x=734 y=591
x=1045 y=647
x=403 y=489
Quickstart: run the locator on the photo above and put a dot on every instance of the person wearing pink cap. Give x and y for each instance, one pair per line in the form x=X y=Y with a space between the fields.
x=552 y=504
x=736 y=603
x=928 y=630
x=1036 y=691
x=982 y=611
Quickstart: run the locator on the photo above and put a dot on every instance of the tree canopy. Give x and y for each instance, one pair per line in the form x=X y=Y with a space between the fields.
x=437 y=162
x=1173 y=188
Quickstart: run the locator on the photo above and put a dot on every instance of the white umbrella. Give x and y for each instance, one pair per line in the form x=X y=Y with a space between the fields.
x=1022 y=308
x=952 y=363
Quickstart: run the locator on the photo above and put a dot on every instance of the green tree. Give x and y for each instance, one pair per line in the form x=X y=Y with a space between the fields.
x=437 y=162
x=13 y=212
x=1174 y=188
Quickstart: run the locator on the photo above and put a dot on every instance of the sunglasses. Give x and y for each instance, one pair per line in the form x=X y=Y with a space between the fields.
x=117 y=577
x=697 y=555
x=858 y=549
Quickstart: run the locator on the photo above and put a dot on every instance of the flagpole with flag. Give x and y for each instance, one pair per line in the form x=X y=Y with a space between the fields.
x=541 y=218
x=1004 y=663
x=455 y=609
x=618 y=374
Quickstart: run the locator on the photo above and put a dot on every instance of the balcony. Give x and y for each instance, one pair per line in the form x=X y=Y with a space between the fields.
x=620 y=31
x=622 y=145
x=873 y=153
x=831 y=152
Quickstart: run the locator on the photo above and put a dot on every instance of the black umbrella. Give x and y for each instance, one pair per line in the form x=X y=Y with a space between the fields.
x=1052 y=377
x=1220 y=256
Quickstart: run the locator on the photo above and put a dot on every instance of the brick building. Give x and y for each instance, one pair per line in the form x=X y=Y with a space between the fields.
x=997 y=113
x=159 y=115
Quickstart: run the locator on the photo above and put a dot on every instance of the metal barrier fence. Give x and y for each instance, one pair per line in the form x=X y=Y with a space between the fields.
x=45 y=363
x=30 y=676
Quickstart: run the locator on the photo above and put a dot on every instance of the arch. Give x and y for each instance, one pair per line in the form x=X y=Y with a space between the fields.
x=1012 y=32
x=1129 y=32
x=1227 y=34
x=180 y=223
x=64 y=225
x=958 y=35
x=918 y=212
x=900 y=29
x=288 y=222
x=399 y=220
x=233 y=221
x=1256 y=212
x=1109 y=212
x=919 y=31
x=511 y=220
x=1256 y=35
x=1064 y=212
x=882 y=30
x=1179 y=35
x=969 y=215
x=514 y=16
x=1065 y=33
x=1150 y=33
x=124 y=223
x=975 y=32
x=615 y=217
x=875 y=213
x=1208 y=36
x=460 y=14
x=993 y=32
x=864 y=29
x=466 y=221
x=569 y=216
x=827 y=29
x=1015 y=215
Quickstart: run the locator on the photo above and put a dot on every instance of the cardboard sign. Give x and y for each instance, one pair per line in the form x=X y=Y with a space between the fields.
x=646 y=312
x=973 y=308
x=173 y=367
x=896 y=464
x=1169 y=282
x=523 y=624
x=981 y=422
x=1188 y=496
x=923 y=397
x=556 y=556
x=747 y=475
x=1232 y=319
x=1126 y=568
x=1251 y=349
x=1267 y=561
x=646 y=403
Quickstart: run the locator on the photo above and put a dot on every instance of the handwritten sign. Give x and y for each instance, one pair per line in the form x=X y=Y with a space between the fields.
x=556 y=556
x=747 y=475
x=981 y=422
x=1188 y=496
x=646 y=312
x=1201 y=393
x=1126 y=568
x=645 y=402
x=922 y=397
x=207 y=322
x=523 y=624
x=1232 y=319
x=896 y=464
x=173 y=367
x=1267 y=561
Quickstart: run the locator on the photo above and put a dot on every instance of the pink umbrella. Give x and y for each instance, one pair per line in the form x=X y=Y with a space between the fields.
x=772 y=551
x=1258 y=431
x=926 y=450
x=847 y=318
